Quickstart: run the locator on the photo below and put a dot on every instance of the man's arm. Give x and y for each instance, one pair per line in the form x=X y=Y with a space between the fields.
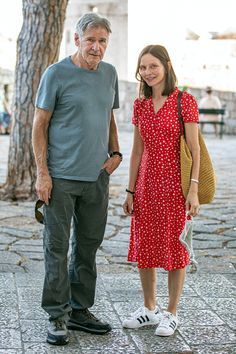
x=112 y=163
x=40 y=145
x=113 y=144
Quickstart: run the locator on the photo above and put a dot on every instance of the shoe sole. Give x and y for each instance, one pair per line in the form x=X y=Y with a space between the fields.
x=76 y=327
x=164 y=335
x=142 y=325
x=60 y=342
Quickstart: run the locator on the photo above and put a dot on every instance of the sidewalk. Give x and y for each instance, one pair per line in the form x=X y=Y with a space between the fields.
x=208 y=306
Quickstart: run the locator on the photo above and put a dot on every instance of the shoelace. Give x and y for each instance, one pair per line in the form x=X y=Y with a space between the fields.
x=59 y=324
x=139 y=312
x=165 y=322
x=89 y=314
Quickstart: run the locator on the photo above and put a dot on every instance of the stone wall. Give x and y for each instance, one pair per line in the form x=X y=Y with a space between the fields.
x=129 y=91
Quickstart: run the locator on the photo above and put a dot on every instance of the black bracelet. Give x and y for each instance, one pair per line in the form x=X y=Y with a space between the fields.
x=128 y=191
x=113 y=153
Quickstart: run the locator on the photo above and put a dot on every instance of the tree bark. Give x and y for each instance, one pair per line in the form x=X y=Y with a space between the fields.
x=38 y=46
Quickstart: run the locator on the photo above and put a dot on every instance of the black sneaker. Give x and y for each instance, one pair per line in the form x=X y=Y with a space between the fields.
x=84 y=320
x=57 y=332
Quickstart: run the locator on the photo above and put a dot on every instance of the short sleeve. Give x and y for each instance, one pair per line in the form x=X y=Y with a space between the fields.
x=116 y=99
x=136 y=111
x=189 y=108
x=48 y=90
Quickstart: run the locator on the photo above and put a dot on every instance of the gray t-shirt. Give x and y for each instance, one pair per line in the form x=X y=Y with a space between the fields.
x=81 y=101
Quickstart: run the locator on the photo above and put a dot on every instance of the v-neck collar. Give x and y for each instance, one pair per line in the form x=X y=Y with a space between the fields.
x=165 y=102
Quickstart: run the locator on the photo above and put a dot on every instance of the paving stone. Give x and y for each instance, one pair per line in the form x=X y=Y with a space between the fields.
x=9 y=317
x=228 y=318
x=115 y=341
x=125 y=295
x=34 y=280
x=110 y=231
x=26 y=248
x=8 y=268
x=231 y=278
x=157 y=344
x=231 y=233
x=119 y=221
x=117 y=259
x=7 y=281
x=113 y=248
x=29 y=311
x=15 y=232
x=210 y=335
x=36 y=256
x=227 y=305
x=44 y=348
x=186 y=303
x=197 y=244
x=9 y=257
x=206 y=228
x=121 y=237
x=209 y=265
x=11 y=351
x=34 y=330
x=6 y=239
x=101 y=260
x=231 y=244
x=29 y=294
x=212 y=289
x=214 y=349
x=30 y=242
x=8 y=297
x=10 y=339
x=212 y=237
x=199 y=318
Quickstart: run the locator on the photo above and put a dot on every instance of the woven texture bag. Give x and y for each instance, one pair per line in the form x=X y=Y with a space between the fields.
x=207 y=178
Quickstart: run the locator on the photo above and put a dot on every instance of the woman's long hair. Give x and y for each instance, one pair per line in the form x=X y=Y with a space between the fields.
x=160 y=53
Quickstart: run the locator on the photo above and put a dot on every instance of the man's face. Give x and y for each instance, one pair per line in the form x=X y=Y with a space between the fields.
x=92 y=46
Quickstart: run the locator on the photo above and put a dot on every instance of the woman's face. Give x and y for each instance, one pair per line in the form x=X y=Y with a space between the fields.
x=152 y=70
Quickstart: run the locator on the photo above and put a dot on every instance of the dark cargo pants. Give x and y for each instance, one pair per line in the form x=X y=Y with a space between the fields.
x=85 y=203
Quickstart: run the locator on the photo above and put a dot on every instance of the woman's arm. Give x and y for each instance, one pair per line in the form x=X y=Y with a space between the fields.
x=192 y=202
x=135 y=159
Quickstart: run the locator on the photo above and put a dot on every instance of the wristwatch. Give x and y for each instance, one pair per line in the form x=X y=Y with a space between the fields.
x=113 y=153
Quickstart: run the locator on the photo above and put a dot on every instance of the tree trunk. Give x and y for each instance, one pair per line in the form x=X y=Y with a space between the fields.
x=38 y=46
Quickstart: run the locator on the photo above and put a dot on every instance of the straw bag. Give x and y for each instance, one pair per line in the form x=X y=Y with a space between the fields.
x=207 y=178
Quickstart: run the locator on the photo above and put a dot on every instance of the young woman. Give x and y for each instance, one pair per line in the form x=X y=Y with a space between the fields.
x=154 y=196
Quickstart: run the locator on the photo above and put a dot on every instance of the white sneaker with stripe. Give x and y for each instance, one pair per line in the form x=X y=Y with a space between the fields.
x=142 y=317
x=168 y=325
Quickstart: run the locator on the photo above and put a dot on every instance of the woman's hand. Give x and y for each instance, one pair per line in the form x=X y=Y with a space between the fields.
x=192 y=204
x=128 y=204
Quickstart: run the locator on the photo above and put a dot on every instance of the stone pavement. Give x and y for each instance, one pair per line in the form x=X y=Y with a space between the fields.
x=207 y=308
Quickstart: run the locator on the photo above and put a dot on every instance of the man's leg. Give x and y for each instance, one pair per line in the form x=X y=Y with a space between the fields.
x=57 y=218
x=89 y=226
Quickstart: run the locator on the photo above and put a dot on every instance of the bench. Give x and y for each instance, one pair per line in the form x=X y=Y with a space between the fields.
x=221 y=122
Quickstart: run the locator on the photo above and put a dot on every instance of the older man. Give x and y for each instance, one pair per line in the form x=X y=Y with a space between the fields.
x=76 y=149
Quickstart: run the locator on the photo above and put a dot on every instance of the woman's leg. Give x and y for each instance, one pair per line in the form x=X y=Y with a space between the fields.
x=175 y=285
x=149 y=283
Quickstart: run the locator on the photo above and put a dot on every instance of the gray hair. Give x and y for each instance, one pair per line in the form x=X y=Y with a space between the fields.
x=91 y=19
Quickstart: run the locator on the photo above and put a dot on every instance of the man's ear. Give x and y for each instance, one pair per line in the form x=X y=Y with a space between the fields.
x=76 y=39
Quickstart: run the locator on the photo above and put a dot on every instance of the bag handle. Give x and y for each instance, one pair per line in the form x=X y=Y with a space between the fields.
x=182 y=130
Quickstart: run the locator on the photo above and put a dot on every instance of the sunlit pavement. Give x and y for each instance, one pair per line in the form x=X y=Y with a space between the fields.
x=208 y=306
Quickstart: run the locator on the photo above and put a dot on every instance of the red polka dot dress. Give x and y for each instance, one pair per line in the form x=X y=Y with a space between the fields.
x=159 y=206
